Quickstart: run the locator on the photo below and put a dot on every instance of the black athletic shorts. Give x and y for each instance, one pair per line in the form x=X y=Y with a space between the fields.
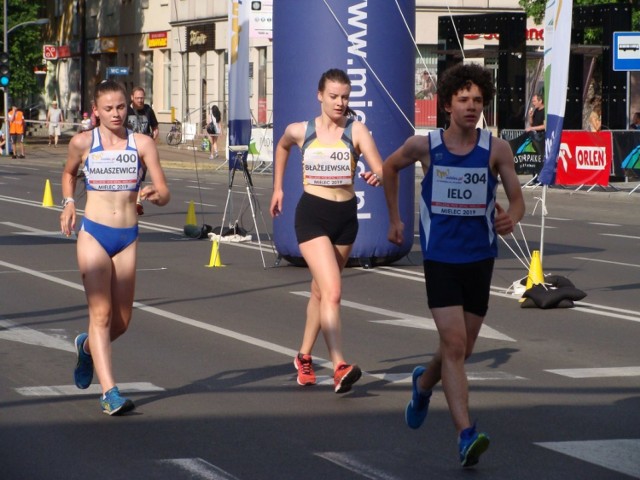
x=466 y=284
x=319 y=217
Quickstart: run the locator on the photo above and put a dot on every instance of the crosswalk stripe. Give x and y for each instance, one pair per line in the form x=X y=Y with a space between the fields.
x=199 y=468
x=350 y=463
x=619 y=455
x=597 y=372
x=72 y=390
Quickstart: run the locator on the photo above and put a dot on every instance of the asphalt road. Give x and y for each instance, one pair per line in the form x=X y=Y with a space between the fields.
x=208 y=357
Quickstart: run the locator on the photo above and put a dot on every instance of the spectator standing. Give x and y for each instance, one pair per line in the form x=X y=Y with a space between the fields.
x=54 y=119
x=536 y=115
x=86 y=123
x=213 y=130
x=635 y=122
x=141 y=119
x=16 y=130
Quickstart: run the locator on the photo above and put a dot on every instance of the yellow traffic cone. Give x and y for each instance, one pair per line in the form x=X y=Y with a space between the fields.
x=215 y=256
x=535 y=270
x=47 y=199
x=191 y=214
x=535 y=275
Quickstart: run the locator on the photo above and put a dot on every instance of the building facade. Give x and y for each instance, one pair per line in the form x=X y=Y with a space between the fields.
x=177 y=51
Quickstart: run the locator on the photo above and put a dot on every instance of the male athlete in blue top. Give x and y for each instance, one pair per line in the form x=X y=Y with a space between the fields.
x=459 y=220
x=107 y=241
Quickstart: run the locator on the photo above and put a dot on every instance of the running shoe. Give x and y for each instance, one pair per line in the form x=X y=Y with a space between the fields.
x=345 y=376
x=114 y=404
x=418 y=406
x=83 y=373
x=304 y=366
x=471 y=445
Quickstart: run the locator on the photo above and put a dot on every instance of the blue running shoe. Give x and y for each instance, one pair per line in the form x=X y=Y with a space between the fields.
x=418 y=407
x=113 y=404
x=83 y=374
x=471 y=445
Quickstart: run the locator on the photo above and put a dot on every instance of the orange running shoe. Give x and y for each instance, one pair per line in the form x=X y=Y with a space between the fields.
x=304 y=366
x=345 y=376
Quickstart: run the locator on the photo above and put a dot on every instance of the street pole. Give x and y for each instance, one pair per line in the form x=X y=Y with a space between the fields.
x=6 y=89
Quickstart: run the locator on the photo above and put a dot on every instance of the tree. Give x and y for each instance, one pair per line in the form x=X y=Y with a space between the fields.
x=535 y=8
x=25 y=47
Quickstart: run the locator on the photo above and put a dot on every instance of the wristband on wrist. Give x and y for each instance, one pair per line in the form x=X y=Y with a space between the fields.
x=67 y=200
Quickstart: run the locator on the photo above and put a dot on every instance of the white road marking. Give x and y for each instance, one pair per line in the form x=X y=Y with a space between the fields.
x=404 y=320
x=95 y=389
x=471 y=376
x=348 y=462
x=624 y=264
x=15 y=333
x=198 y=468
x=619 y=455
x=597 y=372
x=191 y=322
x=604 y=225
x=620 y=236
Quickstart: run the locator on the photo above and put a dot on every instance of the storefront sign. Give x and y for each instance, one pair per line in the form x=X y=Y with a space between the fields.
x=201 y=38
x=157 y=40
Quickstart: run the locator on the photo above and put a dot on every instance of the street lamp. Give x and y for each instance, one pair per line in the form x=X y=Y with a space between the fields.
x=40 y=21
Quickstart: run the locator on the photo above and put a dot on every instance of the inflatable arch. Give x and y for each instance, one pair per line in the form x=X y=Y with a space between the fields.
x=373 y=43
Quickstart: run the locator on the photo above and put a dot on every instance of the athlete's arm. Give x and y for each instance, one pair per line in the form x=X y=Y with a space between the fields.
x=78 y=148
x=415 y=149
x=158 y=192
x=363 y=141
x=293 y=135
x=505 y=221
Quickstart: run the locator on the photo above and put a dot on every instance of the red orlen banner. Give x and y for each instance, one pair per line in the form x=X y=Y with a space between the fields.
x=585 y=158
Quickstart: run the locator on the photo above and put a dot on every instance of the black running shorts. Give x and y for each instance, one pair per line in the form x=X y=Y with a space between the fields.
x=319 y=217
x=466 y=284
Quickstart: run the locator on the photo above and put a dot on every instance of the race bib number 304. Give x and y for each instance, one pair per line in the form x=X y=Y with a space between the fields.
x=459 y=191
x=327 y=166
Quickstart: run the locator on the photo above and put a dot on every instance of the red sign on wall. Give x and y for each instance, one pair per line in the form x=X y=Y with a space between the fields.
x=49 y=52
x=585 y=158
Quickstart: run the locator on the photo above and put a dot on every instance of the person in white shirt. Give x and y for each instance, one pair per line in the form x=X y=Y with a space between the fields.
x=54 y=119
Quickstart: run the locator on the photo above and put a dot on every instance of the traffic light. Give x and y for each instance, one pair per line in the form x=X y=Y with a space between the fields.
x=4 y=69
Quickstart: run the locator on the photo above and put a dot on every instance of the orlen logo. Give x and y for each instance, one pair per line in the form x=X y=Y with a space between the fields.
x=591 y=158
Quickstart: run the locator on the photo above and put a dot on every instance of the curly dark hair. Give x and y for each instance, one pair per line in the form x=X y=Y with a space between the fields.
x=460 y=77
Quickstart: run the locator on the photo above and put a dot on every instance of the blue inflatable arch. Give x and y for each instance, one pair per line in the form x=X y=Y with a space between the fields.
x=371 y=42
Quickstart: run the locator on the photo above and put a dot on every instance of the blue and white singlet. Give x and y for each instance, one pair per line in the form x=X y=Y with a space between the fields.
x=113 y=170
x=457 y=203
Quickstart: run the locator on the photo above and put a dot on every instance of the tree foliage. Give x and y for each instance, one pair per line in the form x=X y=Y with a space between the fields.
x=25 y=47
x=535 y=8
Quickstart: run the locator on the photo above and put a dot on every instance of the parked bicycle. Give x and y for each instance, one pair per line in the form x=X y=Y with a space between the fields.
x=174 y=137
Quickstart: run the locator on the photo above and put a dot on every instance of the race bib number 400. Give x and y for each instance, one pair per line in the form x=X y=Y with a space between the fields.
x=459 y=191
x=113 y=170
x=327 y=166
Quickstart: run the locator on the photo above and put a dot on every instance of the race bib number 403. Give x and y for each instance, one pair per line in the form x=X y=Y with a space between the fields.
x=327 y=166
x=459 y=191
